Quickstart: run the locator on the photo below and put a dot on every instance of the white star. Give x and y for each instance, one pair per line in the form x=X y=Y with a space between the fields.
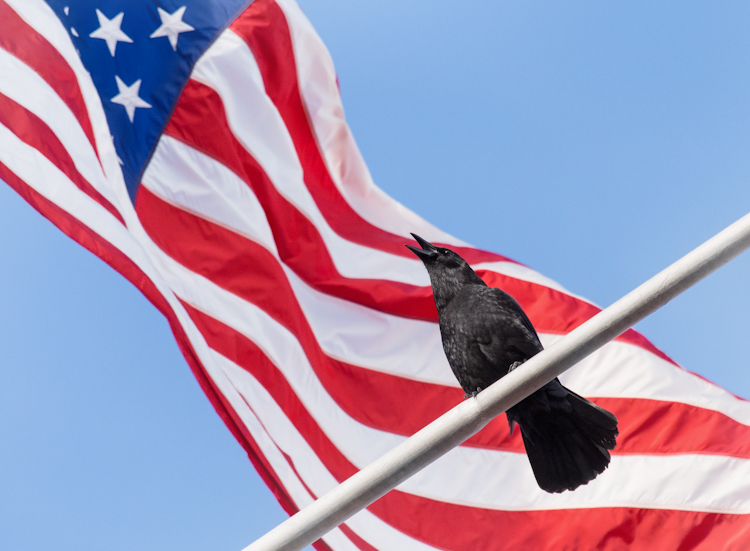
x=109 y=30
x=128 y=97
x=171 y=26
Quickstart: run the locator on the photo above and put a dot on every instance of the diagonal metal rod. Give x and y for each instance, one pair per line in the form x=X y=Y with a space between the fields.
x=469 y=417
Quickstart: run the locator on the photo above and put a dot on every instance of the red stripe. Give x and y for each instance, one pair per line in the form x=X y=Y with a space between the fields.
x=348 y=532
x=34 y=131
x=449 y=526
x=553 y=312
x=21 y=40
x=250 y=357
x=94 y=243
x=264 y=28
x=661 y=428
x=199 y=120
x=356 y=540
x=290 y=462
x=251 y=272
x=556 y=313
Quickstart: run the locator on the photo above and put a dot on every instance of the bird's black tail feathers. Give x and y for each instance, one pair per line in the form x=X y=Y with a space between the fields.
x=567 y=438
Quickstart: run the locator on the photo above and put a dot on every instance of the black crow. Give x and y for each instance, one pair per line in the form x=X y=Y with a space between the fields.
x=485 y=335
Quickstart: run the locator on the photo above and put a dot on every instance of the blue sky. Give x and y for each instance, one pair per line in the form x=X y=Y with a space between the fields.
x=595 y=142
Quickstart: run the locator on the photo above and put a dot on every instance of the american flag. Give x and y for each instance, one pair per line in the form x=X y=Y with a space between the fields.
x=200 y=149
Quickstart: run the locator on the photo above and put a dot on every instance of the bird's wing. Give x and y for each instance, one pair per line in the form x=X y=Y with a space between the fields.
x=527 y=322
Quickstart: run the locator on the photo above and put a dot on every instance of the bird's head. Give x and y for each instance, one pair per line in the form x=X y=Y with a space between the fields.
x=448 y=271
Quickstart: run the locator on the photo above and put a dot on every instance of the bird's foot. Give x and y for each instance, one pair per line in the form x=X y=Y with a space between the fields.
x=473 y=394
x=514 y=365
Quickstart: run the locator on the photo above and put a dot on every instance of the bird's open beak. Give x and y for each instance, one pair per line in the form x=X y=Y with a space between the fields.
x=427 y=251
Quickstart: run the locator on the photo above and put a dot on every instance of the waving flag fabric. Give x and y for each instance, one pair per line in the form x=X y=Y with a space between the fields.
x=200 y=149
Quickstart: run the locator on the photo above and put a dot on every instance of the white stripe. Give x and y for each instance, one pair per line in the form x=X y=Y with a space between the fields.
x=622 y=370
x=370 y=339
x=285 y=351
x=499 y=480
x=317 y=83
x=231 y=70
x=246 y=389
x=231 y=383
x=26 y=87
x=519 y=271
x=193 y=181
x=413 y=349
x=39 y=16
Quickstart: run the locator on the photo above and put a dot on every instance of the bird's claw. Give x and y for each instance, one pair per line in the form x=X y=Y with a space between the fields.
x=514 y=365
x=473 y=394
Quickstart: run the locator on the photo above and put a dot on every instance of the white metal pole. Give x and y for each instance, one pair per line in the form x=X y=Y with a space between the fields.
x=466 y=419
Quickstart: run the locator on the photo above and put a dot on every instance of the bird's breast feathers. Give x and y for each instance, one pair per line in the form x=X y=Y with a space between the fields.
x=483 y=334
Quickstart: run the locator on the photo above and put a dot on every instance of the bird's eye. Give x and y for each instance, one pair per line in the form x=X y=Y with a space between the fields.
x=445 y=251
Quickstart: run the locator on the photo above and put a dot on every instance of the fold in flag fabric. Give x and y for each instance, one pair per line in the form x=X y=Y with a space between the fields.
x=200 y=149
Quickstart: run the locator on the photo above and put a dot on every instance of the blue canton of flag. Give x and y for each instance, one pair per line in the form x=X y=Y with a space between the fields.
x=140 y=55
